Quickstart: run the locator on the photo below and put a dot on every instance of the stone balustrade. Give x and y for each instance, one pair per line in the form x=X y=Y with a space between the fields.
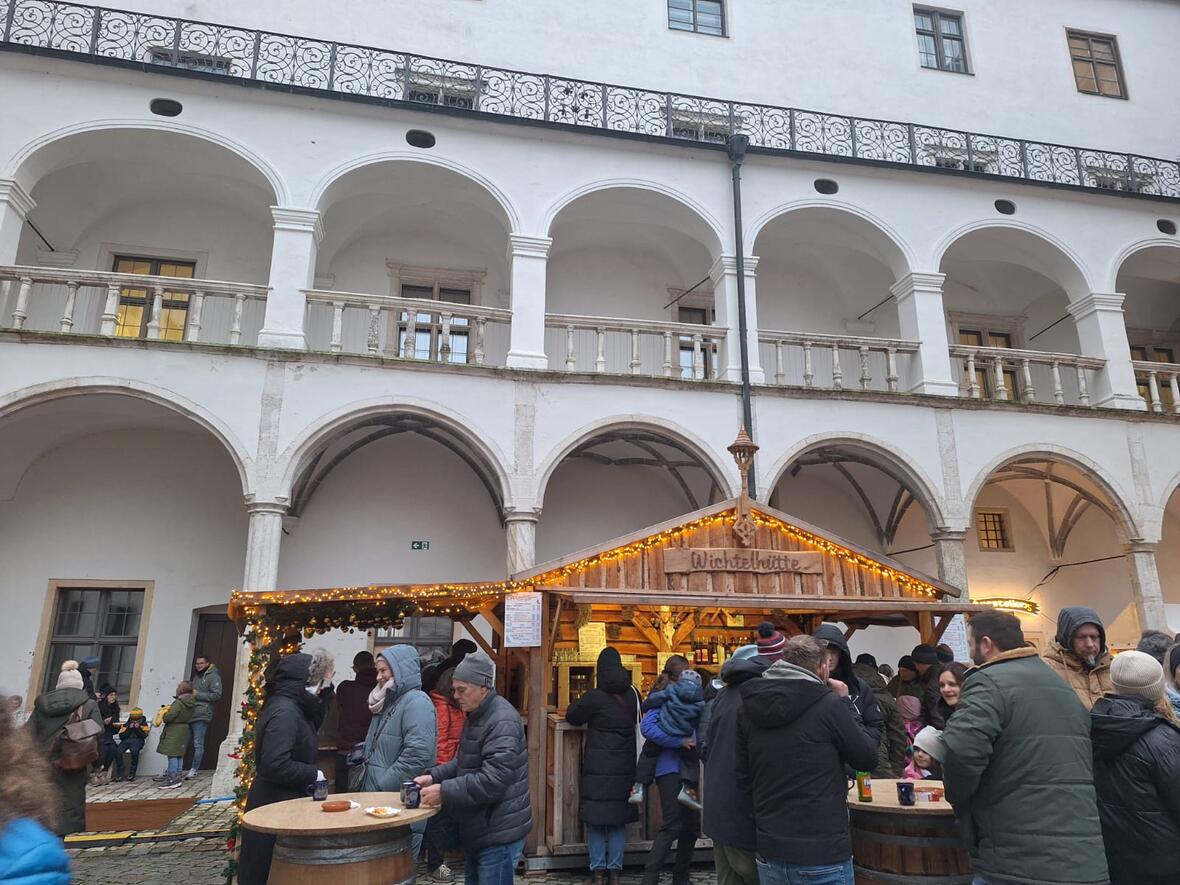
x=1004 y=374
x=835 y=362
x=619 y=346
x=409 y=328
x=1156 y=374
x=88 y=302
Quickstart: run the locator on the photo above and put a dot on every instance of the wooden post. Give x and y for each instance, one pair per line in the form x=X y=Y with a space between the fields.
x=538 y=739
x=926 y=627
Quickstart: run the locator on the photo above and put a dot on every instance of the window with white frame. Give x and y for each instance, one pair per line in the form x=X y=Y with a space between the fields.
x=942 y=44
x=437 y=335
x=698 y=16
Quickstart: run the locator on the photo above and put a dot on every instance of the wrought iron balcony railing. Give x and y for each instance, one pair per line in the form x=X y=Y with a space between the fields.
x=265 y=58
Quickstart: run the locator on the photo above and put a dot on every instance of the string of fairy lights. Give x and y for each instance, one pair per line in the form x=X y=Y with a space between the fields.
x=277 y=622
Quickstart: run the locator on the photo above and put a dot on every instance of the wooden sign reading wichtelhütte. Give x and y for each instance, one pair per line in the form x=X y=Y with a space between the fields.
x=735 y=559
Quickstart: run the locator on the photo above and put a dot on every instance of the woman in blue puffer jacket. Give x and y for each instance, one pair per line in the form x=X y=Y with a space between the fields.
x=29 y=852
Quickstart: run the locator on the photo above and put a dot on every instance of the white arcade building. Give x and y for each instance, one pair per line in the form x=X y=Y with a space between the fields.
x=284 y=295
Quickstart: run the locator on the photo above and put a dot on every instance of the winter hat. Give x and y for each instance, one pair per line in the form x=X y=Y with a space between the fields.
x=135 y=712
x=866 y=659
x=924 y=654
x=770 y=642
x=476 y=669
x=911 y=707
x=106 y=688
x=1137 y=673
x=945 y=654
x=905 y=662
x=69 y=677
x=929 y=739
x=1173 y=661
x=744 y=653
x=90 y=663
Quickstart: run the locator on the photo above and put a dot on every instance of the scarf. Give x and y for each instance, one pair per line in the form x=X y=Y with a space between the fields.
x=377 y=696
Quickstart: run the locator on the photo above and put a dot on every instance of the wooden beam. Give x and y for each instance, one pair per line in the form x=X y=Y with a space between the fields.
x=848 y=633
x=650 y=634
x=539 y=671
x=912 y=617
x=940 y=626
x=926 y=627
x=682 y=632
x=556 y=623
x=480 y=641
x=490 y=617
x=790 y=604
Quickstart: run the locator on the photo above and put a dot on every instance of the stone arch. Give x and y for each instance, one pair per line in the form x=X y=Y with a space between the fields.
x=445 y=427
x=1050 y=255
x=898 y=255
x=894 y=462
x=335 y=175
x=716 y=231
x=36 y=158
x=688 y=442
x=65 y=388
x=1129 y=251
x=1116 y=496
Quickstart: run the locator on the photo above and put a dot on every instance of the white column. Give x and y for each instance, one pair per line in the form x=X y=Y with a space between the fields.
x=297 y=235
x=1145 y=585
x=521 y=530
x=921 y=317
x=15 y=205
x=1102 y=333
x=952 y=561
x=724 y=276
x=263 y=541
x=528 y=258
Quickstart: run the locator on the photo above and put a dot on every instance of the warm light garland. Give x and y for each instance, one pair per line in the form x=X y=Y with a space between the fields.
x=1012 y=604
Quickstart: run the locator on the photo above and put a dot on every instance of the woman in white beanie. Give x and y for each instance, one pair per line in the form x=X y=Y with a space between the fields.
x=1136 y=738
x=50 y=712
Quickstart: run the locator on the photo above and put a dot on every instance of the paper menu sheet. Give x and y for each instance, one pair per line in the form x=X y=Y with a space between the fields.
x=522 y=620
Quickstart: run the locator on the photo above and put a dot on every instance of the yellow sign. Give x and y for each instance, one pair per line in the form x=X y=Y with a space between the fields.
x=591 y=640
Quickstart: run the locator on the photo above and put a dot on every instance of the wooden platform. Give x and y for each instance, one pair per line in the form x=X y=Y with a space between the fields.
x=137 y=814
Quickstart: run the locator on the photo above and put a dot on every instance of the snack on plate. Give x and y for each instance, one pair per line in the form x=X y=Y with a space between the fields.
x=336 y=805
x=382 y=811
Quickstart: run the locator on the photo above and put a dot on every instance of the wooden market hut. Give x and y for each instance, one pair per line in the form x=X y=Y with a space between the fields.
x=696 y=585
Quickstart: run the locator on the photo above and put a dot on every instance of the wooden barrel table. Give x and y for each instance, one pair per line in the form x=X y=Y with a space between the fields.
x=341 y=847
x=895 y=844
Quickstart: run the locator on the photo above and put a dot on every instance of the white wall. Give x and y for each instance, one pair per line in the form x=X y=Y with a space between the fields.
x=134 y=505
x=843 y=56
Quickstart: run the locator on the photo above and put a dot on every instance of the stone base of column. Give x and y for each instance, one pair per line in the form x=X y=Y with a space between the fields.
x=1131 y=402
x=935 y=388
x=282 y=340
x=519 y=359
x=224 y=781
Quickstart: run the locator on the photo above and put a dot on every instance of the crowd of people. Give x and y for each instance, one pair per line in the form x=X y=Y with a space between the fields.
x=442 y=726
x=1061 y=767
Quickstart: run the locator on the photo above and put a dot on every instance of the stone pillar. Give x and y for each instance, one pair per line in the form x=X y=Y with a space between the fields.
x=723 y=274
x=952 y=561
x=263 y=541
x=921 y=318
x=1102 y=333
x=521 y=529
x=528 y=258
x=297 y=235
x=1145 y=585
x=15 y=205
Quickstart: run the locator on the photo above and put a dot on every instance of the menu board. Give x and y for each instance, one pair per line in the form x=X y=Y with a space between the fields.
x=956 y=637
x=591 y=640
x=522 y=620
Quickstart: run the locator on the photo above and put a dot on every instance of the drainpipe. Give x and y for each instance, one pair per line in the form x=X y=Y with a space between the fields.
x=736 y=148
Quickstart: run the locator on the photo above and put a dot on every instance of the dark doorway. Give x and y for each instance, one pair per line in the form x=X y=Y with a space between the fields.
x=217 y=639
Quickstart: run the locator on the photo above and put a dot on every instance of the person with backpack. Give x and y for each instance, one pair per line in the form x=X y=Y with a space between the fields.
x=66 y=722
x=174 y=738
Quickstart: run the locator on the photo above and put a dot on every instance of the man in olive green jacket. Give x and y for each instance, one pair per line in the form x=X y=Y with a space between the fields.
x=1018 y=767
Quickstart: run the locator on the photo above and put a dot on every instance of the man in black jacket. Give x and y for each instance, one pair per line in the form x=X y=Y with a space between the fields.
x=859 y=691
x=487 y=783
x=796 y=712
x=728 y=816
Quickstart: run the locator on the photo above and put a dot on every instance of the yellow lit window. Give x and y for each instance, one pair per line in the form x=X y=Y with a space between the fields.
x=135 y=302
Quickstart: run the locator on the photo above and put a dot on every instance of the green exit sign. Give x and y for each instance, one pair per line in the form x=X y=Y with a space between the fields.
x=419 y=545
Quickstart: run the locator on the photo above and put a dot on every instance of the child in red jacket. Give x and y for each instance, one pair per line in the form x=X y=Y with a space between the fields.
x=440 y=829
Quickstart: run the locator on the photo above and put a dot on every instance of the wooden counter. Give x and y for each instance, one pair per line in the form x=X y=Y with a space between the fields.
x=895 y=844
x=349 y=847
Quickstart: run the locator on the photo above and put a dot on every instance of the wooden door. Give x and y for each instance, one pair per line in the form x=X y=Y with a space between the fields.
x=217 y=639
